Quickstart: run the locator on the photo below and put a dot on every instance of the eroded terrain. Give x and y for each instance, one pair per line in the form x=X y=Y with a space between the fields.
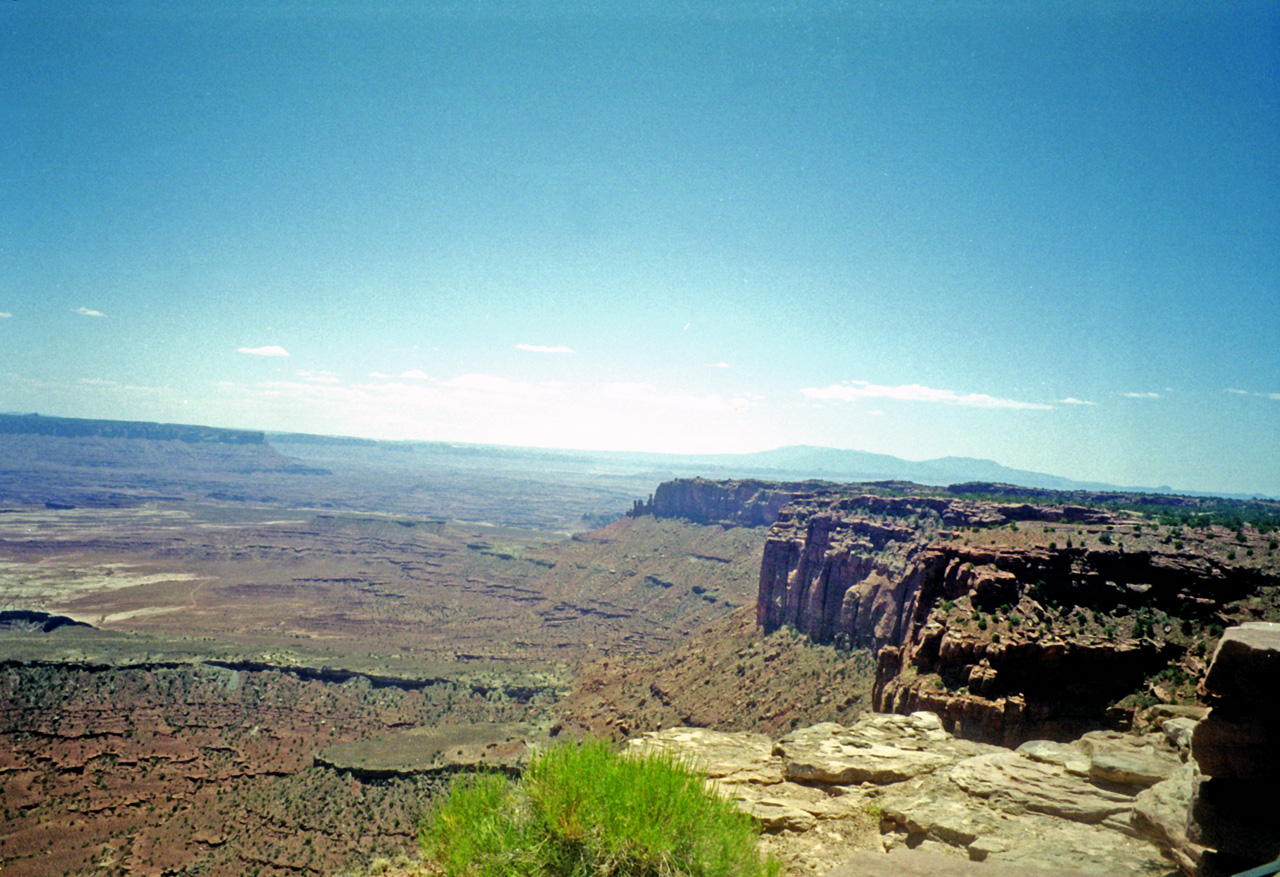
x=221 y=649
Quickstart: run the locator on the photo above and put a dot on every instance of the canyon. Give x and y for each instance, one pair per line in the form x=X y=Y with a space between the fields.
x=219 y=658
x=1013 y=620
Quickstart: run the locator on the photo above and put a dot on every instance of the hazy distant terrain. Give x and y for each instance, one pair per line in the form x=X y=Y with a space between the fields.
x=220 y=650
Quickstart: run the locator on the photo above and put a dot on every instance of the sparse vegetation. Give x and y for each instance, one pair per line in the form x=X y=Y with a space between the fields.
x=587 y=810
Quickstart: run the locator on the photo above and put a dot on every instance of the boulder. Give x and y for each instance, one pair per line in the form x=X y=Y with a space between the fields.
x=1128 y=760
x=1237 y=748
x=1160 y=815
x=895 y=781
x=879 y=749
x=1246 y=666
x=1232 y=742
x=1178 y=731
x=731 y=757
x=1072 y=758
x=1020 y=783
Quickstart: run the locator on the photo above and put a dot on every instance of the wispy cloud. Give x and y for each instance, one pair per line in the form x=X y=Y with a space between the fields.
x=1071 y=400
x=1141 y=395
x=321 y=377
x=415 y=374
x=5 y=316
x=538 y=348
x=270 y=350
x=495 y=387
x=104 y=384
x=639 y=393
x=717 y=365
x=1273 y=396
x=87 y=312
x=853 y=391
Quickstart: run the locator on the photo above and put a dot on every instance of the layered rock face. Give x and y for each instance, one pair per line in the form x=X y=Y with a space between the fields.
x=1237 y=747
x=731 y=503
x=1010 y=620
x=905 y=785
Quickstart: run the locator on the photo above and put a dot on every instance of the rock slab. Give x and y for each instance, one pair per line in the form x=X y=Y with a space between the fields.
x=903 y=784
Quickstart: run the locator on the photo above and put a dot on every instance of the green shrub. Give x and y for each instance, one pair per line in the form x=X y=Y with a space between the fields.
x=587 y=810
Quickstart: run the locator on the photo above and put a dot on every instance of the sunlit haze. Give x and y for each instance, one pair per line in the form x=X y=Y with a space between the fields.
x=1044 y=234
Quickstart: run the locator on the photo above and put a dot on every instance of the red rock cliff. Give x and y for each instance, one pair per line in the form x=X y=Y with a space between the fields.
x=1010 y=620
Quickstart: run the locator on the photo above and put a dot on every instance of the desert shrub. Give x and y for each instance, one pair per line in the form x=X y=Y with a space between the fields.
x=587 y=810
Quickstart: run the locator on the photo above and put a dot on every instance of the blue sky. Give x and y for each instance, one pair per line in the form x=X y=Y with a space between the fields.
x=1045 y=234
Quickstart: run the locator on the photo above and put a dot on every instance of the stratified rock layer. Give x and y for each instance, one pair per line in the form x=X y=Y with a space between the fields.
x=900 y=783
x=1012 y=621
x=1237 y=747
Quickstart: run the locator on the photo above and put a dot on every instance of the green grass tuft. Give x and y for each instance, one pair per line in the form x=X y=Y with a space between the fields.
x=587 y=810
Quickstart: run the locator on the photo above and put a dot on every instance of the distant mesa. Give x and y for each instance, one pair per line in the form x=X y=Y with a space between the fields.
x=74 y=427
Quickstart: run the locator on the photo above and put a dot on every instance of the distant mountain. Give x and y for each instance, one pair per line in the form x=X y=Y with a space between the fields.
x=79 y=427
x=806 y=461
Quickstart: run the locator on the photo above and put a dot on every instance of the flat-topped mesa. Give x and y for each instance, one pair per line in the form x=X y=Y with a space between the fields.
x=746 y=503
x=1010 y=620
x=73 y=427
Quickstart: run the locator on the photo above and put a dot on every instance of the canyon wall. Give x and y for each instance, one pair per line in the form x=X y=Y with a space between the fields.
x=1011 y=620
x=1012 y=616
x=747 y=503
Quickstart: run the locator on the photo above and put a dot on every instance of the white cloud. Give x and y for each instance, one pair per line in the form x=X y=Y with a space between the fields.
x=87 y=312
x=476 y=385
x=538 y=348
x=380 y=376
x=853 y=391
x=717 y=365
x=1141 y=395
x=637 y=393
x=1071 y=400
x=322 y=377
x=116 y=386
x=5 y=316
x=1272 y=396
x=415 y=374
x=270 y=350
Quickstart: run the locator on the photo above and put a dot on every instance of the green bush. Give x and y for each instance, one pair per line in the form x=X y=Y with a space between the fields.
x=586 y=810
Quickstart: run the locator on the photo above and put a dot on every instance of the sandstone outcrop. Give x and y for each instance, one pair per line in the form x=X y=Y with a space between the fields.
x=1012 y=621
x=1237 y=747
x=905 y=785
x=747 y=503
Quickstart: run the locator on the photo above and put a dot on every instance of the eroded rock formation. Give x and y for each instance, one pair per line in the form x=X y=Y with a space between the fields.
x=747 y=503
x=1010 y=620
x=893 y=782
x=1237 y=747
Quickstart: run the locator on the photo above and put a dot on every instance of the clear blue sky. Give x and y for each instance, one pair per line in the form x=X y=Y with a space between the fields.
x=1042 y=233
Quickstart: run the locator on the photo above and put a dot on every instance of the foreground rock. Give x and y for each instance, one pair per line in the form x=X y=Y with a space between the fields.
x=903 y=784
x=1237 y=747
